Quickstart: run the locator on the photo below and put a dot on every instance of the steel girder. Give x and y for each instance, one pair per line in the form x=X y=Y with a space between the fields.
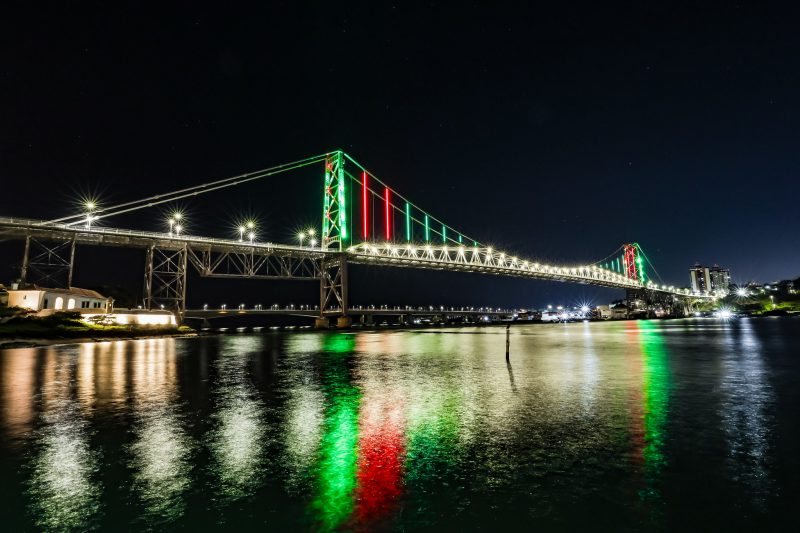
x=253 y=264
x=165 y=279
x=47 y=264
x=333 y=285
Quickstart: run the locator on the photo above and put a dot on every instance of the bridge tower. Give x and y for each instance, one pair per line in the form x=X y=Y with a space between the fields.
x=334 y=210
x=335 y=234
x=631 y=261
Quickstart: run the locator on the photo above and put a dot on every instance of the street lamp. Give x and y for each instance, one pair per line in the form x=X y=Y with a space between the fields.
x=313 y=242
x=178 y=229
x=242 y=229
x=175 y=222
x=300 y=237
x=90 y=206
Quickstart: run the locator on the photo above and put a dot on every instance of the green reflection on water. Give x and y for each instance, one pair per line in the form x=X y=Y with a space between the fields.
x=432 y=435
x=338 y=452
x=656 y=385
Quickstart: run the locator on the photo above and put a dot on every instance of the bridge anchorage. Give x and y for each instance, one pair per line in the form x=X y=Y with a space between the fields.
x=382 y=228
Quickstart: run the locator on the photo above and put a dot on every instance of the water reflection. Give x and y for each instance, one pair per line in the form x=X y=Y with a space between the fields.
x=161 y=449
x=64 y=492
x=303 y=428
x=745 y=412
x=587 y=424
x=238 y=439
x=336 y=477
x=656 y=383
x=19 y=389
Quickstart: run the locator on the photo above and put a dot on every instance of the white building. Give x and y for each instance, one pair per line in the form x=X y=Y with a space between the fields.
x=713 y=280
x=44 y=300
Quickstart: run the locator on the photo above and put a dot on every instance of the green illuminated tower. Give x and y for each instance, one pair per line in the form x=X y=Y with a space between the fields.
x=334 y=223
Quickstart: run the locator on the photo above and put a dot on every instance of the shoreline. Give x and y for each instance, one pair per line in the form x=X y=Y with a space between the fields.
x=30 y=342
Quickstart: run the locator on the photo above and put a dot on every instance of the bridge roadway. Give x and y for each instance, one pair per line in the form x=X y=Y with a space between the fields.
x=313 y=312
x=231 y=258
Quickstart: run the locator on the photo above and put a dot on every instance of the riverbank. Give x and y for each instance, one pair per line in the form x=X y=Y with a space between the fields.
x=12 y=343
x=64 y=328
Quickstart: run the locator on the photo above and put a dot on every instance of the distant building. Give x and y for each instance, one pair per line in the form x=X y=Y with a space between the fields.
x=720 y=279
x=41 y=299
x=710 y=279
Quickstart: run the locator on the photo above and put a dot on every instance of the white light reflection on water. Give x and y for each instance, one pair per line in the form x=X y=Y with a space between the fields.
x=303 y=429
x=238 y=439
x=62 y=489
x=161 y=450
x=745 y=408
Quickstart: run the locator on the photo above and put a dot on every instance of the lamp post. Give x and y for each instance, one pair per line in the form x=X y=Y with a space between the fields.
x=242 y=229
x=175 y=223
x=90 y=206
x=300 y=237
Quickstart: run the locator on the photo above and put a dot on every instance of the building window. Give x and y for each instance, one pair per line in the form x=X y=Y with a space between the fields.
x=59 y=303
x=45 y=304
x=71 y=303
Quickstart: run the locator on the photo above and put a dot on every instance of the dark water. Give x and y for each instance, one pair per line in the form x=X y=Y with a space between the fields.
x=610 y=426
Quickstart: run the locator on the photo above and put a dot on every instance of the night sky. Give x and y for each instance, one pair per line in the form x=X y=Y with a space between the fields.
x=555 y=134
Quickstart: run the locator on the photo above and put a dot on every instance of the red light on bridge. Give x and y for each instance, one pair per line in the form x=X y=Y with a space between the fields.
x=364 y=210
x=388 y=226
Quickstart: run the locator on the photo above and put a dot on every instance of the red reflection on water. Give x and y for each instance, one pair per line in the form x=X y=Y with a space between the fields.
x=380 y=460
x=633 y=355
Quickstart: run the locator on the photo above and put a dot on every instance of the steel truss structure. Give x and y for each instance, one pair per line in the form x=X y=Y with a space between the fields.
x=253 y=263
x=165 y=279
x=630 y=258
x=333 y=285
x=48 y=264
x=482 y=260
x=334 y=210
x=169 y=257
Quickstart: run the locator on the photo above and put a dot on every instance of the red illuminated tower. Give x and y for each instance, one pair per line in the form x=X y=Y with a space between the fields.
x=630 y=258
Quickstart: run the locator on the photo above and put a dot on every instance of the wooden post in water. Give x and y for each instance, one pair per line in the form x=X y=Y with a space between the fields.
x=508 y=340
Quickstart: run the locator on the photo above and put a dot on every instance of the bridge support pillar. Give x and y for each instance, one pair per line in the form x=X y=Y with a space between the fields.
x=50 y=265
x=322 y=323
x=344 y=322
x=333 y=287
x=165 y=280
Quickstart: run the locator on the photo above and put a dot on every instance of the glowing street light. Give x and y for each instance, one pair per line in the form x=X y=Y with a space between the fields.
x=242 y=229
x=175 y=222
x=90 y=206
x=741 y=292
x=310 y=233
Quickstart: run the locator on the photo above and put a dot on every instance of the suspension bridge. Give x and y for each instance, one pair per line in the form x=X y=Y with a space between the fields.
x=381 y=228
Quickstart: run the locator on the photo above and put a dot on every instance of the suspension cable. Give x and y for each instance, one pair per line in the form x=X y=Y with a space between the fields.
x=401 y=197
x=190 y=191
